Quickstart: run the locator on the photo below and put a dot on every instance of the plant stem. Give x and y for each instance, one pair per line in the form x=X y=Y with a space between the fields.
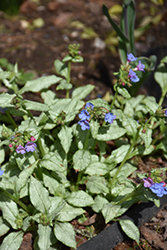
x=158 y=136
x=128 y=196
x=11 y=119
x=115 y=96
x=121 y=165
x=86 y=140
x=68 y=79
x=162 y=97
x=39 y=142
x=20 y=203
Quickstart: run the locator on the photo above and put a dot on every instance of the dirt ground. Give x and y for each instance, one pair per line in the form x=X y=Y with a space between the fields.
x=35 y=43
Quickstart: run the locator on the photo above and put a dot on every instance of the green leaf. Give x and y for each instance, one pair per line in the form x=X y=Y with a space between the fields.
x=100 y=103
x=126 y=170
x=2 y=155
x=97 y=185
x=151 y=104
x=94 y=127
x=44 y=233
x=64 y=85
x=6 y=99
x=99 y=203
x=39 y=196
x=57 y=204
x=97 y=168
x=128 y=17
x=24 y=176
x=161 y=76
x=68 y=213
x=65 y=233
x=4 y=75
x=48 y=96
x=82 y=92
x=146 y=136
x=81 y=159
x=120 y=33
x=118 y=154
x=65 y=136
x=130 y=229
x=52 y=161
x=50 y=183
x=4 y=226
x=110 y=132
x=12 y=241
x=110 y=211
x=80 y=199
x=30 y=105
x=9 y=210
x=130 y=125
x=61 y=68
x=38 y=84
x=124 y=92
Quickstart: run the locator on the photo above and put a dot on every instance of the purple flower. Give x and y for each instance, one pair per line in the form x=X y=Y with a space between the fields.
x=165 y=112
x=148 y=182
x=84 y=124
x=133 y=77
x=20 y=149
x=159 y=189
x=30 y=146
x=131 y=57
x=89 y=105
x=140 y=66
x=1 y=172
x=84 y=115
x=109 y=117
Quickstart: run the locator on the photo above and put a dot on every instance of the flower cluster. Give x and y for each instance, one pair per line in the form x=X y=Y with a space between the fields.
x=89 y=111
x=140 y=67
x=159 y=189
x=85 y=116
x=18 y=142
x=127 y=72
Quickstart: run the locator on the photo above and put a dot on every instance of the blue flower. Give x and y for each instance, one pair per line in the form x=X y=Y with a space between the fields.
x=84 y=115
x=131 y=57
x=140 y=66
x=109 y=117
x=84 y=124
x=133 y=77
x=165 y=112
x=30 y=146
x=158 y=189
x=1 y=172
x=89 y=105
x=20 y=149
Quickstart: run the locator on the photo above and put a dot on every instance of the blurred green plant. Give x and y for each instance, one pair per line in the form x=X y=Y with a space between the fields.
x=127 y=41
x=10 y=7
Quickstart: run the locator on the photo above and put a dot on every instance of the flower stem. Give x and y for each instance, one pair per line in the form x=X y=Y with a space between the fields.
x=121 y=165
x=126 y=197
x=159 y=135
x=68 y=79
x=86 y=140
x=115 y=96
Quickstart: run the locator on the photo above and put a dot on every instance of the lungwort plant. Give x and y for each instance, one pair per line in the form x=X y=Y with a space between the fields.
x=60 y=165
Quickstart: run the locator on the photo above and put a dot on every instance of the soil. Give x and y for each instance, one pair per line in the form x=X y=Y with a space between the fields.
x=64 y=22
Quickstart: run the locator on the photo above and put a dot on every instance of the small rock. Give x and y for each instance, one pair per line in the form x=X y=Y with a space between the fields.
x=99 y=44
